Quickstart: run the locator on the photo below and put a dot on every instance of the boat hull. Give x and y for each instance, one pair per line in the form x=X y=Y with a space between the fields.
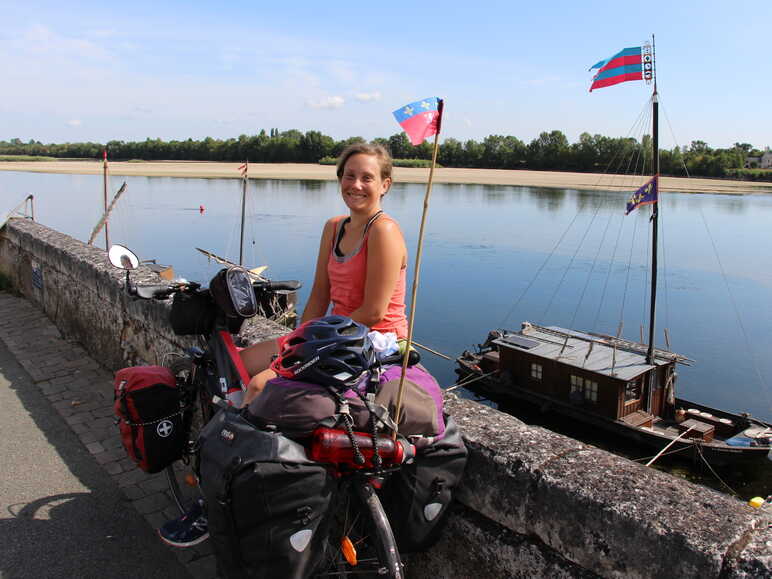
x=717 y=452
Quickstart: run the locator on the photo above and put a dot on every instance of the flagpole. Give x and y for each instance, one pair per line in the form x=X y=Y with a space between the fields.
x=244 y=178
x=416 y=274
x=654 y=207
x=104 y=180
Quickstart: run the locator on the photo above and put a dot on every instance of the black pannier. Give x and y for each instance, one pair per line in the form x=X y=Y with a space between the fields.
x=192 y=313
x=416 y=498
x=267 y=504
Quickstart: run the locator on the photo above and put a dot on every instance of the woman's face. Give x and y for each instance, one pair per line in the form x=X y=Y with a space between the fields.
x=361 y=184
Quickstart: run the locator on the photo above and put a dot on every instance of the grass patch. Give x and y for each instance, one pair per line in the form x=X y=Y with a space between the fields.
x=420 y=163
x=31 y=158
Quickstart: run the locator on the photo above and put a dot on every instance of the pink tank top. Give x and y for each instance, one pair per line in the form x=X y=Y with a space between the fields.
x=347 y=276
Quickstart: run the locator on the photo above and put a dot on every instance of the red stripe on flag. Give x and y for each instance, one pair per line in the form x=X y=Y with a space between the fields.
x=622 y=61
x=421 y=126
x=616 y=80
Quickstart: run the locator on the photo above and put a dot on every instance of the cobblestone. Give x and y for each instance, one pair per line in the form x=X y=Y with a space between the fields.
x=113 y=468
x=109 y=456
x=133 y=492
x=82 y=393
x=151 y=503
x=203 y=568
x=95 y=447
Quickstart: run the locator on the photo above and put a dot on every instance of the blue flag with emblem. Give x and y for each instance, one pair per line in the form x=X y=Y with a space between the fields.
x=645 y=195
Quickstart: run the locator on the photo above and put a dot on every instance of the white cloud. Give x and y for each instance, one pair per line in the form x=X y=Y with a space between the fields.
x=333 y=102
x=74 y=123
x=366 y=97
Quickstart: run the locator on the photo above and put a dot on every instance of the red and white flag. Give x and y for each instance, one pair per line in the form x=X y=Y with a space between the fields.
x=244 y=168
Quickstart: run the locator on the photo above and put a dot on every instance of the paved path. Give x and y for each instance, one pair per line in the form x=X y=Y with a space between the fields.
x=71 y=503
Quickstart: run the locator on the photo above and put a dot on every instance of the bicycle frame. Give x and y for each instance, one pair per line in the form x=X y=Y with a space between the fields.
x=230 y=376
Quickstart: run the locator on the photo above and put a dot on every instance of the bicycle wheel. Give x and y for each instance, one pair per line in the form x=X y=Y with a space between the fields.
x=183 y=486
x=361 y=542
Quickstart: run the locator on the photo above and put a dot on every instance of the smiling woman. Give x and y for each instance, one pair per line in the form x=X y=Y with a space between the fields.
x=362 y=259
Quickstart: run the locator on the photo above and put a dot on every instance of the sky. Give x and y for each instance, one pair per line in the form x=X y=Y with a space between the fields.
x=86 y=71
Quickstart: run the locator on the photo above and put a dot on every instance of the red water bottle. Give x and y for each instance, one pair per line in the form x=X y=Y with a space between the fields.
x=334 y=446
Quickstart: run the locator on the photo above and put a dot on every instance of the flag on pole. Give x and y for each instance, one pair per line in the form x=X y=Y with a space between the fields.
x=244 y=168
x=623 y=66
x=421 y=119
x=645 y=195
x=104 y=156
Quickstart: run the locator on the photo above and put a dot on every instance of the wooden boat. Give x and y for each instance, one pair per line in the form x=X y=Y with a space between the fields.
x=627 y=388
x=607 y=382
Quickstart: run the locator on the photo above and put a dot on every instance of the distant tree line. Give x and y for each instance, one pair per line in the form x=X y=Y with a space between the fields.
x=549 y=151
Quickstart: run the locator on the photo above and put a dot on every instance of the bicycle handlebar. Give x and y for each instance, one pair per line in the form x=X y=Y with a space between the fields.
x=275 y=286
x=165 y=290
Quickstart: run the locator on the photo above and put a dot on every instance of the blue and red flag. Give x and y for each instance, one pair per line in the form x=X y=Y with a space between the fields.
x=645 y=195
x=421 y=119
x=623 y=66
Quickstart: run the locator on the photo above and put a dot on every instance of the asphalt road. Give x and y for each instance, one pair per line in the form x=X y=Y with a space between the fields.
x=61 y=515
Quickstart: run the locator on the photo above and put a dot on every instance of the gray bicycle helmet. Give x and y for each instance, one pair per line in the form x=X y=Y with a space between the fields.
x=332 y=351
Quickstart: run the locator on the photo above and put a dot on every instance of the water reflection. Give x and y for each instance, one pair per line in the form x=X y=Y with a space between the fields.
x=494 y=256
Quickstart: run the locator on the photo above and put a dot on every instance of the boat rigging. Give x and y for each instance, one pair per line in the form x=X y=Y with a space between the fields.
x=624 y=387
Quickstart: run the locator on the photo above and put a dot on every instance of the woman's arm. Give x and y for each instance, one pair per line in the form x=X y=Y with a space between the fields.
x=319 y=300
x=386 y=256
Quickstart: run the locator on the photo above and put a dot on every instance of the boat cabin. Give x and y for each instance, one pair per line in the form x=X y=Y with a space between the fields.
x=600 y=374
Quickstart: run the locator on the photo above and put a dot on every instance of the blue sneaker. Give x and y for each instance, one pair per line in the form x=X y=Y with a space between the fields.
x=187 y=530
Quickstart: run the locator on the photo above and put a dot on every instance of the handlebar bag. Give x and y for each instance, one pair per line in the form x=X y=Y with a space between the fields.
x=267 y=504
x=232 y=291
x=151 y=416
x=195 y=313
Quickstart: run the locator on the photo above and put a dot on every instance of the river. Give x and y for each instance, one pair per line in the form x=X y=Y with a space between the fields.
x=493 y=257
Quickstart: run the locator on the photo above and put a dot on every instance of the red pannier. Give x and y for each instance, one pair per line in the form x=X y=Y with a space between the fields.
x=151 y=416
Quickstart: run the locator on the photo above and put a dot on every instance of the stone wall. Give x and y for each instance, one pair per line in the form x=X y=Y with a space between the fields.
x=533 y=503
x=84 y=296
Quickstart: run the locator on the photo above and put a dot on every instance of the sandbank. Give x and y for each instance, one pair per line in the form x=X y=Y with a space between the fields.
x=554 y=179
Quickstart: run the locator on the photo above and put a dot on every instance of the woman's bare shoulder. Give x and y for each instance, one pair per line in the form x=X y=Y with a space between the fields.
x=330 y=224
x=386 y=225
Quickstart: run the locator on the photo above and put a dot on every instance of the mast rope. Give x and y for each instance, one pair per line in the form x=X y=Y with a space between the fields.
x=715 y=474
x=608 y=274
x=669 y=452
x=616 y=161
x=592 y=269
x=627 y=276
x=754 y=362
x=570 y=263
x=463 y=383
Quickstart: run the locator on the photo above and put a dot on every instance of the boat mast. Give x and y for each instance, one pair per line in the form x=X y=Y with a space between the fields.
x=655 y=207
x=104 y=195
